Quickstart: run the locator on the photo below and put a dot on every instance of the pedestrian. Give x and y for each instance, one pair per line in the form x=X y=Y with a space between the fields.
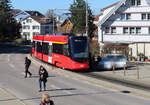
x=46 y=100
x=27 y=65
x=43 y=75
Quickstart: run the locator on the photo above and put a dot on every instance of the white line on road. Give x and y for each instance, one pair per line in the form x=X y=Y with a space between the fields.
x=11 y=65
x=8 y=58
x=68 y=92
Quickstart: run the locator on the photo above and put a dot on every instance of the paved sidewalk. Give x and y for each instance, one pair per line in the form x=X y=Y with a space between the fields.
x=138 y=77
x=6 y=98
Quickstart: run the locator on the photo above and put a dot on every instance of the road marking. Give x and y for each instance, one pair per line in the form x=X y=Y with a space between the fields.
x=68 y=92
x=12 y=65
x=8 y=58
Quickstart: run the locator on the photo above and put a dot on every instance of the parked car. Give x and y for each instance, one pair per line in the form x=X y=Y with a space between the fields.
x=116 y=60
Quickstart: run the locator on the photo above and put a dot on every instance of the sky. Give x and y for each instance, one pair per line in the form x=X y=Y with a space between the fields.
x=44 y=5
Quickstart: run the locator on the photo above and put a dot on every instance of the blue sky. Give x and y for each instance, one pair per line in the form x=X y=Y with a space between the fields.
x=44 y=5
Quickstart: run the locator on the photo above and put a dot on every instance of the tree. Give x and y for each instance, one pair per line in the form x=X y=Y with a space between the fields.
x=78 y=17
x=50 y=14
x=9 y=29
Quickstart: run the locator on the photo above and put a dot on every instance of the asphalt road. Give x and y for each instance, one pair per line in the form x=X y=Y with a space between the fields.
x=63 y=91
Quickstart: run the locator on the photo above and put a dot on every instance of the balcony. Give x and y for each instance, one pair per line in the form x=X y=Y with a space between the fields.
x=126 y=38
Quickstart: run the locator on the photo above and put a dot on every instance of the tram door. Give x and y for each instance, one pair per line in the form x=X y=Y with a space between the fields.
x=35 y=46
x=50 y=47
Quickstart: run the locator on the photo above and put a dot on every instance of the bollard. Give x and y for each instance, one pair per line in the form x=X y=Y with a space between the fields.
x=138 y=72
x=113 y=69
x=124 y=68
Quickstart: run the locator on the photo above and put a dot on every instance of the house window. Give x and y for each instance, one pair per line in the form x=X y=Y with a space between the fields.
x=144 y=16
x=148 y=16
x=135 y=2
x=35 y=27
x=107 y=30
x=132 y=30
x=26 y=27
x=149 y=30
x=46 y=27
x=138 y=2
x=128 y=16
x=26 y=33
x=138 y=30
x=126 y=30
x=113 y=30
x=35 y=33
x=29 y=20
x=123 y=17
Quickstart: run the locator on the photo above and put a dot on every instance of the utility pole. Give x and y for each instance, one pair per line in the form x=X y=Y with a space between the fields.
x=53 y=23
x=87 y=18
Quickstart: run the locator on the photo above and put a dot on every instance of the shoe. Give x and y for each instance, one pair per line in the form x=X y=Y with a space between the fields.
x=44 y=89
x=25 y=77
x=40 y=90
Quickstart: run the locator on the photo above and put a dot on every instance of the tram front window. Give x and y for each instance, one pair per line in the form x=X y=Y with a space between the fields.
x=79 y=49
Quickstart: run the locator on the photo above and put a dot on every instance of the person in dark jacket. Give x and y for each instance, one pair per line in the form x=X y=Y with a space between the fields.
x=43 y=75
x=46 y=100
x=27 y=65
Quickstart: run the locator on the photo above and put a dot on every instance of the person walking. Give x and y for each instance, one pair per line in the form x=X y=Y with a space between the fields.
x=43 y=75
x=46 y=100
x=27 y=65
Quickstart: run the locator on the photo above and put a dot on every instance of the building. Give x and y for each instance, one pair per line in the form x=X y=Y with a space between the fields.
x=124 y=27
x=66 y=26
x=34 y=25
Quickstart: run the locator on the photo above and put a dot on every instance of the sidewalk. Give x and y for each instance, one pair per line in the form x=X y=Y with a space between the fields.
x=6 y=98
x=139 y=78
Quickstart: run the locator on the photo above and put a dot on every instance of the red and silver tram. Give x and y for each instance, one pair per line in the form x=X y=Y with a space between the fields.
x=65 y=51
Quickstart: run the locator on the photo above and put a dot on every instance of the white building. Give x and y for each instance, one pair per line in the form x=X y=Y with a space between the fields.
x=34 y=25
x=126 y=22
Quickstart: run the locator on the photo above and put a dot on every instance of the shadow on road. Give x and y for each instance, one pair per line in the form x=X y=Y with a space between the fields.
x=38 y=76
x=69 y=95
x=15 y=50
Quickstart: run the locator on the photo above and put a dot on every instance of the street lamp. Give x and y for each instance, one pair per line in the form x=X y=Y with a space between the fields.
x=86 y=17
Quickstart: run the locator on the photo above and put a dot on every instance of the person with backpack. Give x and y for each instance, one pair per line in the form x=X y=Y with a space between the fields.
x=27 y=65
x=43 y=75
x=46 y=100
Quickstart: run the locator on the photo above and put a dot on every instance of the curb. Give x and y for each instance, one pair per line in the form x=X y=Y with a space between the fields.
x=124 y=81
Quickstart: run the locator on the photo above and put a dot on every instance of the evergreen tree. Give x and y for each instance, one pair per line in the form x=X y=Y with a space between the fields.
x=9 y=29
x=78 y=17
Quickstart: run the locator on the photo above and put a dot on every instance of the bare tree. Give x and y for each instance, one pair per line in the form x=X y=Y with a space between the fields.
x=50 y=14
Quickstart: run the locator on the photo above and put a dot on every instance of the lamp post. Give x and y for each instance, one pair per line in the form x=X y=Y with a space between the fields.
x=87 y=18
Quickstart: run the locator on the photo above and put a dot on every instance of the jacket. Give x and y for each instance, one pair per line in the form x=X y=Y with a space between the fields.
x=43 y=76
x=50 y=103
x=27 y=62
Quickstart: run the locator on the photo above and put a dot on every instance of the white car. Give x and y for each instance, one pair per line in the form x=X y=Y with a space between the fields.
x=116 y=60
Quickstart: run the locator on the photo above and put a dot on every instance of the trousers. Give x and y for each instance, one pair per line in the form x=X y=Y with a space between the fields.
x=27 y=71
x=40 y=84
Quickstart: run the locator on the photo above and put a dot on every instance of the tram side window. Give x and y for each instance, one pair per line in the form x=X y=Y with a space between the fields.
x=39 y=47
x=66 y=50
x=58 y=48
x=33 y=44
x=45 y=48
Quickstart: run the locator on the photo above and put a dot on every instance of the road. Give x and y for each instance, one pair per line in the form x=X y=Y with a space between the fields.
x=63 y=91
